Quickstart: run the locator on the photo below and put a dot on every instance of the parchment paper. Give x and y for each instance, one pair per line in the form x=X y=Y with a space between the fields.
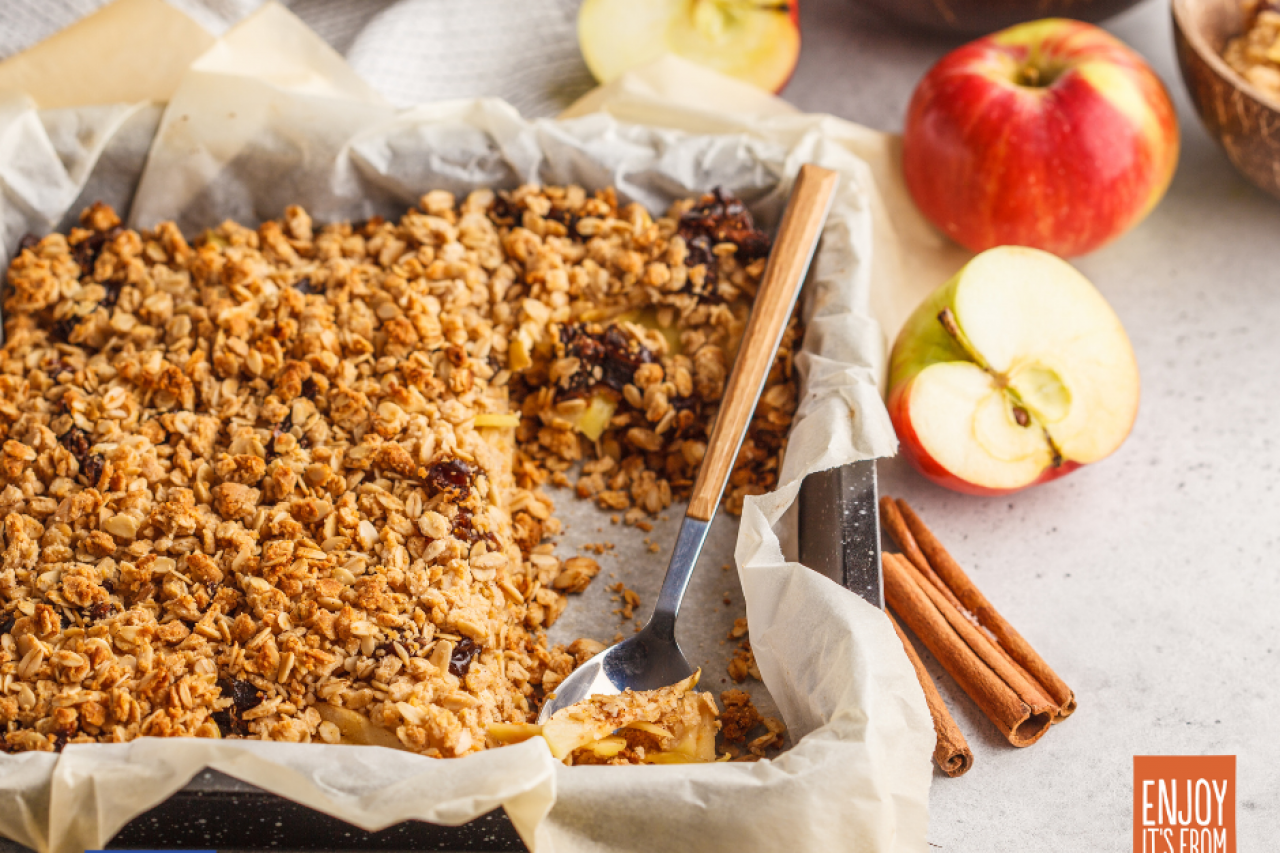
x=270 y=116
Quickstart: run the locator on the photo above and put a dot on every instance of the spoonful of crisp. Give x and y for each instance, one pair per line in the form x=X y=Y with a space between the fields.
x=652 y=658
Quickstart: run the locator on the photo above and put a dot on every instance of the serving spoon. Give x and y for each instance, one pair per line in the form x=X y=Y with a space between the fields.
x=652 y=658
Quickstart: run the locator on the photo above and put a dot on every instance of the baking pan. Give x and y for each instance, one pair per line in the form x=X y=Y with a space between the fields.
x=839 y=537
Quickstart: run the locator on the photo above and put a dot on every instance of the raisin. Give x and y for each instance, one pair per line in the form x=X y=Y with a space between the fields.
x=243 y=696
x=92 y=468
x=451 y=476
x=278 y=430
x=719 y=217
x=7 y=622
x=63 y=328
x=112 y=296
x=304 y=286
x=310 y=389
x=464 y=529
x=566 y=218
x=86 y=252
x=28 y=241
x=463 y=654
x=101 y=611
x=59 y=741
x=615 y=353
x=76 y=441
x=502 y=211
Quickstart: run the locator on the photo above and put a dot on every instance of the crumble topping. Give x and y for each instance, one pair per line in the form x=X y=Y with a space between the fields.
x=1255 y=54
x=285 y=482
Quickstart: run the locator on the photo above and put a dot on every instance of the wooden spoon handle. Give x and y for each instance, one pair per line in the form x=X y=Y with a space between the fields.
x=792 y=251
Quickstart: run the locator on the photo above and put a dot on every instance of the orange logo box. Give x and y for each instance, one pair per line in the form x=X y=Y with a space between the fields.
x=1184 y=804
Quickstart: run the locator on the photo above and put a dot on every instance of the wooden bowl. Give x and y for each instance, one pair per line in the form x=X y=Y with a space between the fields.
x=979 y=17
x=1239 y=116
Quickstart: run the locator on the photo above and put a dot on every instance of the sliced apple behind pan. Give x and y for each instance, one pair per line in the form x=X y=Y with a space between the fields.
x=757 y=41
x=1014 y=372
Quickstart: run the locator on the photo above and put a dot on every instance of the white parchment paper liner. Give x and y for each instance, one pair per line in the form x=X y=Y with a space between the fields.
x=270 y=117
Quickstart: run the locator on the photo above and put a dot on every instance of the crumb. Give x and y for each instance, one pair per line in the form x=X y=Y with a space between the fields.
x=630 y=600
x=739 y=628
x=738 y=716
x=743 y=664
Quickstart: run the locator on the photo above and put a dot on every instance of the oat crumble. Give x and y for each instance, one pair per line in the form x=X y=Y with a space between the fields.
x=1255 y=55
x=284 y=483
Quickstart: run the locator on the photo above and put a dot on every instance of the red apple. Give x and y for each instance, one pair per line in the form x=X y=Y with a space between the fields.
x=757 y=41
x=1051 y=134
x=1014 y=372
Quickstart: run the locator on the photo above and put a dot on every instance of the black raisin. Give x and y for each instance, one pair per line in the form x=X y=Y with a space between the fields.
x=101 y=611
x=112 y=295
x=502 y=211
x=244 y=695
x=278 y=430
x=310 y=389
x=463 y=654
x=462 y=529
x=452 y=476
x=6 y=623
x=92 y=468
x=76 y=441
x=304 y=286
x=63 y=328
x=86 y=252
x=566 y=218
x=719 y=217
x=610 y=358
x=28 y=241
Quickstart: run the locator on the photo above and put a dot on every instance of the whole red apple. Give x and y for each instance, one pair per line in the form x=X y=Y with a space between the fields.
x=1051 y=134
x=1015 y=372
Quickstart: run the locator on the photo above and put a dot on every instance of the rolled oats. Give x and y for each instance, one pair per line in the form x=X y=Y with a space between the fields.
x=284 y=483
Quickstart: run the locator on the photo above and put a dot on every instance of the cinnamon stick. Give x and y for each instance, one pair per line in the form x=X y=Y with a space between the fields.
x=951 y=751
x=1018 y=649
x=891 y=518
x=895 y=522
x=966 y=653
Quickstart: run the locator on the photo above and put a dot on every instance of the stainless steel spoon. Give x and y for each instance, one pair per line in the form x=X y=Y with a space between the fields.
x=652 y=658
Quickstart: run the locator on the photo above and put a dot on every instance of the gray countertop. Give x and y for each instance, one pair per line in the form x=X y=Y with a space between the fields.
x=1150 y=580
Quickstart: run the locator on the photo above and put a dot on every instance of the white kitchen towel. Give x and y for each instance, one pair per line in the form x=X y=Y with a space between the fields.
x=412 y=51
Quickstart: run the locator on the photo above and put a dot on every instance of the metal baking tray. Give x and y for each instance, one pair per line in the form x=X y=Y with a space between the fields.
x=839 y=537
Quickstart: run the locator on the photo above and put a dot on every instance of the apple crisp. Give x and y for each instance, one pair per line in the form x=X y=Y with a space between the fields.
x=285 y=483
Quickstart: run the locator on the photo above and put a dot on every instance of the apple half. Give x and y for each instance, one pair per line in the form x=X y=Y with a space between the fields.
x=1015 y=372
x=757 y=41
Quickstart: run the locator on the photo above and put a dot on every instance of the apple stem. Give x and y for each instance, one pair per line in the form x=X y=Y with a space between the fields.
x=1021 y=414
